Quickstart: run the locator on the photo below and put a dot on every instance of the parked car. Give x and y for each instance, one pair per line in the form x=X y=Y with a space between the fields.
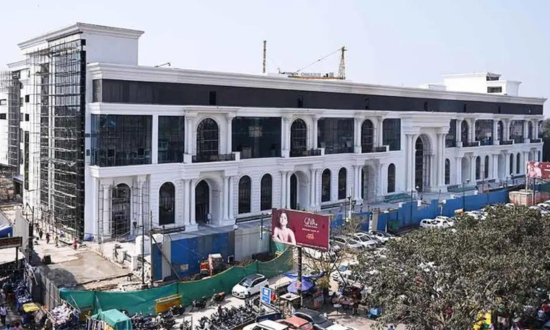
x=266 y=325
x=476 y=215
x=443 y=222
x=346 y=242
x=365 y=240
x=382 y=235
x=341 y=269
x=319 y=321
x=427 y=223
x=296 y=323
x=249 y=286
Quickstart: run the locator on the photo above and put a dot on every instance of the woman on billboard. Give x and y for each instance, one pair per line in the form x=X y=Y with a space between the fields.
x=281 y=232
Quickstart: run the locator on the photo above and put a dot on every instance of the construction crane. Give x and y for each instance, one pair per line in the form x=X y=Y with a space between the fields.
x=299 y=74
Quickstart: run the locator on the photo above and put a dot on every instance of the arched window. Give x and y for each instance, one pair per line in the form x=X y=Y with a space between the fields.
x=342 y=176
x=478 y=168
x=167 y=203
x=500 y=131
x=367 y=136
x=298 y=138
x=511 y=164
x=325 y=186
x=391 y=178
x=530 y=130
x=244 y=194
x=121 y=210
x=464 y=132
x=266 y=191
x=486 y=170
x=207 y=140
x=447 y=171
x=518 y=163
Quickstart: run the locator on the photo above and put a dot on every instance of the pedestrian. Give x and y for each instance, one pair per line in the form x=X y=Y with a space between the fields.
x=40 y=233
x=3 y=314
x=75 y=243
x=56 y=241
x=220 y=311
x=391 y=327
x=47 y=238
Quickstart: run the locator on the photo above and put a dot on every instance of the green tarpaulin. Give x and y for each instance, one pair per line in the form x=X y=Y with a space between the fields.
x=115 y=319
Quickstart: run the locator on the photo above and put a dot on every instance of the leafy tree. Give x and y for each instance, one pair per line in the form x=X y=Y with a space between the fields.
x=546 y=128
x=445 y=279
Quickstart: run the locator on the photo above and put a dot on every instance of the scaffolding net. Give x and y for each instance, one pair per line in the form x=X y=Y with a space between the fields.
x=58 y=79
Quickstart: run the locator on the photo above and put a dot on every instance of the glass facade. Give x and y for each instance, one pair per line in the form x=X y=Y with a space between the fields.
x=500 y=131
x=486 y=169
x=391 y=178
x=511 y=164
x=530 y=130
x=171 y=139
x=391 y=134
x=325 y=186
x=342 y=176
x=167 y=203
x=367 y=136
x=478 y=168
x=447 y=171
x=518 y=163
x=298 y=138
x=450 y=139
x=208 y=139
x=120 y=210
x=119 y=140
x=516 y=131
x=266 y=192
x=484 y=132
x=256 y=137
x=245 y=187
x=335 y=135
x=464 y=132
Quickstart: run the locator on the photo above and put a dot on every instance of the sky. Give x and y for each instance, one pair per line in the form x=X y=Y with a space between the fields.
x=390 y=42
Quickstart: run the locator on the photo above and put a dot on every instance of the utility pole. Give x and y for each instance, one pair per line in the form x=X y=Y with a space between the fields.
x=265 y=56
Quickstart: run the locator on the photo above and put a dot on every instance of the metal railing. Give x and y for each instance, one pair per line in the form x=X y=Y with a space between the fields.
x=213 y=158
x=536 y=140
x=305 y=153
x=470 y=144
x=518 y=140
x=506 y=142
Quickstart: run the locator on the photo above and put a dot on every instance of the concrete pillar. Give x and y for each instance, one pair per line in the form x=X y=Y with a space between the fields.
x=523 y=163
x=186 y=202
x=228 y=148
x=458 y=170
x=357 y=135
x=473 y=169
x=288 y=175
x=525 y=129
x=495 y=166
x=188 y=143
x=285 y=136
x=409 y=163
x=535 y=123
x=459 y=130
x=192 y=219
x=506 y=127
x=314 y=132
x=106 y=210
x=140 y=202
x=225 y=204
x=311 y=188
x=472 y=130
x=231 y=194
x=380 y=188
x=440 y=158
x=283 y=189
x=154 y=140
x=495 y=132
x=380 y=132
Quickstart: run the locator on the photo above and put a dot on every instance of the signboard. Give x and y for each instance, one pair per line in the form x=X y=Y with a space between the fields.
x=300 y=228
x=266 y=295
x=11 y=242
x=538 y=170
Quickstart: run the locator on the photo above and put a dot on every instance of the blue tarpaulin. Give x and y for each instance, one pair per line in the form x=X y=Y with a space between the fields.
x=6 y=231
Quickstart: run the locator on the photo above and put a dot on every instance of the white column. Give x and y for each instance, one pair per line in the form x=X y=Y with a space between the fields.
x=535 y=123
x=314 y=132
x=192 y=219
x=316 y=189
x=106 y=210
x=458 y=170
x=458 y=130
x=225 y=196
x=288 y=175
x=506 y=127
x=357 y=182
x=473 y=169
x=380 y=187
x=186 y=202
x=380 y=132
x=231 y=215
x=523 y=163
x=472 y=130
x=228 y=148
x=440 y=160
x=154 y=140
x=283 y=189
x=311 y=188
x=495 y=166
x=188 y=143
x=410 y=138
x=285 y=137
x=495 y=132
x=525 y=129
x=357 y=135
x=140 y=202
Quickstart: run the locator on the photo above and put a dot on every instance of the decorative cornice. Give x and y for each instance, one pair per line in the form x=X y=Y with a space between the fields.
x=171 y=75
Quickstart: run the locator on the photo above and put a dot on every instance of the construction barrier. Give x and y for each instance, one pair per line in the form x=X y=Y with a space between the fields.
x=144 y=301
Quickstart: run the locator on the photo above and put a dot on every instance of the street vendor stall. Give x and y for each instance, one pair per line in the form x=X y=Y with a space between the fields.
x=63 y=317
x=111 y=319
x=28 y=313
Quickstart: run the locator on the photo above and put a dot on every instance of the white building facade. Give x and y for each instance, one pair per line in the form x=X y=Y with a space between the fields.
x=186 y=149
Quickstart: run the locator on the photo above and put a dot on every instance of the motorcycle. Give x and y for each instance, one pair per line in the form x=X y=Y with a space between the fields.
x=199 y=303
x=177 y=310
x=217 y=298
x=167 y=320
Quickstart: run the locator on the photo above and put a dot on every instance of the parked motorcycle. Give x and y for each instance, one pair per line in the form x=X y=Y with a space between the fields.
x=177 y=310
x=217 y=298
x=167 y=320
x=199 y=303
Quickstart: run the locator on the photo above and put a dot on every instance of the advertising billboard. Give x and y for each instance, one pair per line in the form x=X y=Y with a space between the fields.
x=538 y=170
x=300 y=228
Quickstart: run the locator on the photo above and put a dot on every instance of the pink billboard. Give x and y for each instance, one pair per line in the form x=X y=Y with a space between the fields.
x=301 y=228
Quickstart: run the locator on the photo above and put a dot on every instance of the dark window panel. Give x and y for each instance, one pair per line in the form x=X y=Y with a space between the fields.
x=367 y=136
x=120 y=210
x=298 y=138
x=325 y=186
x=120 y=91
x=391 y=178
x=208 y=138
x=245 y=188
x=450 y=139
x=391 y=133
x=342 y=177
x=335 y=135
x=484 y=131
x=119 y=140
x=266 y=192
x=171 y=139
x=256 y=137
x=167 y=203
x=516 y=131
x=447 y=171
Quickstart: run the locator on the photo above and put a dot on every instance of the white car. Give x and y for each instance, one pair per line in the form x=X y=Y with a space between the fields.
x=348 y=243
x=427 y=223
x=446 y=221
x=249 y=286
x=476 y=215
x=266 y=325
x=382 y=235
x=366 y=240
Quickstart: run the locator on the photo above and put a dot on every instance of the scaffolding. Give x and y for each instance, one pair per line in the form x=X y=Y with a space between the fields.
x=58 y=78
x=11 y=86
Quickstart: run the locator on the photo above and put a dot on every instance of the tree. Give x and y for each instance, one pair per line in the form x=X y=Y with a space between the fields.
x=546 y=128
x=445 y=279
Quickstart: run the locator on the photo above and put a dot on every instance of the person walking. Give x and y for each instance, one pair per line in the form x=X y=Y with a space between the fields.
x=40 y=233
x=56 y=240
x=3 y=314
x=75 y=243
x=47 y=238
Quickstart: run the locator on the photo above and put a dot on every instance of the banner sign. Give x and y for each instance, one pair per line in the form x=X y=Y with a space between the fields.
x=301 y=228
x=11 y=242
x=538 y=170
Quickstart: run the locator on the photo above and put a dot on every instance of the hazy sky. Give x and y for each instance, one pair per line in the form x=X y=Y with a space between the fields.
x=406 y=42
